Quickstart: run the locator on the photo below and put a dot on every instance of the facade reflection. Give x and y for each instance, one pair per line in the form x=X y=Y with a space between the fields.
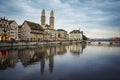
x=7 y=59
x=61 y=49
x=42 y=63
x=77 y=49
x=29 y=55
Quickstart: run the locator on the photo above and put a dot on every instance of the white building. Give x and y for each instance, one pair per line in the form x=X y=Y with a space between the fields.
x=76 y=35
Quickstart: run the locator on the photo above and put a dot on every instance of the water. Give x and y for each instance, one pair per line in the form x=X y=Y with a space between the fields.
x=61 y=62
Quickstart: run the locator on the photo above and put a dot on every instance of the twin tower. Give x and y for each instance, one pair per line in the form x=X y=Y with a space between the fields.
x=51 y=20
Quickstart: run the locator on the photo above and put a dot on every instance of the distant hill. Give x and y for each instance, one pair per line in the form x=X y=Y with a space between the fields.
x=106 y=39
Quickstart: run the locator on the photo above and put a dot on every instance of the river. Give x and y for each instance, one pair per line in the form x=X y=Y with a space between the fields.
x=60 y=62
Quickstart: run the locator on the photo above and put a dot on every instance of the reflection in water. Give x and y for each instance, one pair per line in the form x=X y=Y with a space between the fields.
x=77 y=49
x=42 y=61
x=7 y=59
x=57 y=63
x=29 y=55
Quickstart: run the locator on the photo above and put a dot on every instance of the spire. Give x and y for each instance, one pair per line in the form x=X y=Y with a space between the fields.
x=52 y=19
x=51 y=13
x=43 y=12
x=43 y=18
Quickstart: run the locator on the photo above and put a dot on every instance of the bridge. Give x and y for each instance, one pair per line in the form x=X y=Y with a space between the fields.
x=102 y=42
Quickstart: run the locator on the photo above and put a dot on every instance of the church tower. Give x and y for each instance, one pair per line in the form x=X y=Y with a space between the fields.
x=43 y=18
x=52 y=19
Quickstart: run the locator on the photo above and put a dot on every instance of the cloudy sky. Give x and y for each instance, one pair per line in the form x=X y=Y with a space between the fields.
x=97 y=18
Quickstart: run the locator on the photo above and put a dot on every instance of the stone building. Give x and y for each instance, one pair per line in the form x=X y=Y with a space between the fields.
x=62 y=34
x=4 y=29
x=76 y=35
x=51 y=20
x=38 y=32
x=19 y=32
x=8 y=29
x=13 y=30
x=50 y=34
x=53 y=34
x=31 y=31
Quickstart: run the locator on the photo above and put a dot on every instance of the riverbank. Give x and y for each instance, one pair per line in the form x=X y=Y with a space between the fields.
x=25 y=43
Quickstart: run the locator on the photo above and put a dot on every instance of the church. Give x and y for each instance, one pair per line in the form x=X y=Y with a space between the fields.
x=51 y=20
x=32 y=31
x=50 y=34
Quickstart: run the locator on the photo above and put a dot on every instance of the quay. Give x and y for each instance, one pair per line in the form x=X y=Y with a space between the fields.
x=52 y=43
x=27 y=43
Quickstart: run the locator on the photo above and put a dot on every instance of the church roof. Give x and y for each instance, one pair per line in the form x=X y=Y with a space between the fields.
x=34 y=26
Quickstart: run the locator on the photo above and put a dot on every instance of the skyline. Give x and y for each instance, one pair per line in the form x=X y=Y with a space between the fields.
x=97 y=18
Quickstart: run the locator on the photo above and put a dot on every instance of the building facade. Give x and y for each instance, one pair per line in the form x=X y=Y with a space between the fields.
x=62 y=34
x=50 y=34
x=8 y=29
x=53 y=34
x=76 y=35
x=4 y=29
x=19 y=32
x=31 y=31
x=13 y=30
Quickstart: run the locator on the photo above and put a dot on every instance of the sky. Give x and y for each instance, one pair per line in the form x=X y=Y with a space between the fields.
x=96 y=18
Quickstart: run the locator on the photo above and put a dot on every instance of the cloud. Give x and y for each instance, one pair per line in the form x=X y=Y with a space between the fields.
x=91 y=16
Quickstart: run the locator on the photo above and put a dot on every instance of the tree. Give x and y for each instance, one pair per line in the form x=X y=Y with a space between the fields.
x=85 y=38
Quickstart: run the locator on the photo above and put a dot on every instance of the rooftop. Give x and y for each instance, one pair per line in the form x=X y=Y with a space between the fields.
x=34 y=26
x=61 y=30
x=76 y=31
